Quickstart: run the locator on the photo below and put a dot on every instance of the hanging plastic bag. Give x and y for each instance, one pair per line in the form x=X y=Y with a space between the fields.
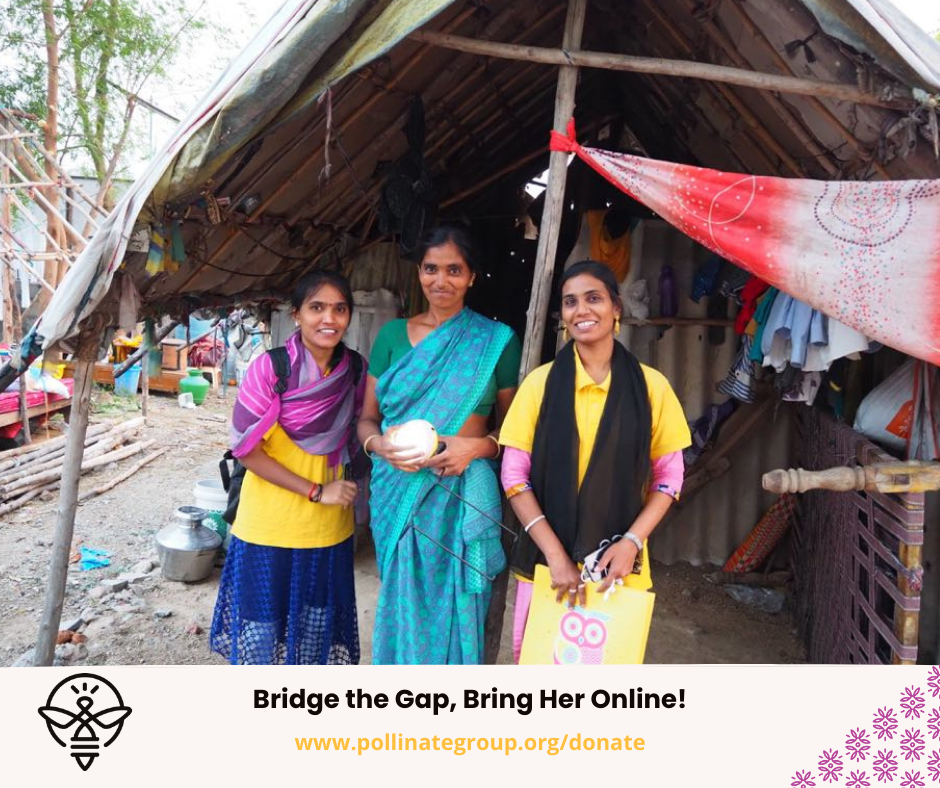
x=887 y=413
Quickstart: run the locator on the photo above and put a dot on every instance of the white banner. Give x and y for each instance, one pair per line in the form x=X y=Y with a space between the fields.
x=797 y=726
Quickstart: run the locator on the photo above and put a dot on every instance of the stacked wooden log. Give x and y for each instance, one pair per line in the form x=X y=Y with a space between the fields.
x=29 y=471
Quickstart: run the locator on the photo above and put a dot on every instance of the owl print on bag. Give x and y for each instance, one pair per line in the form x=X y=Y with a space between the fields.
x=581 y=638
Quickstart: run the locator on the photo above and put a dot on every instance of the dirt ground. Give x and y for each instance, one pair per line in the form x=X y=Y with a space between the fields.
x=161 y=622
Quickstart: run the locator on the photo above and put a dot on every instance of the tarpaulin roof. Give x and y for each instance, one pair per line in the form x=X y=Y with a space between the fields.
x=338 y=79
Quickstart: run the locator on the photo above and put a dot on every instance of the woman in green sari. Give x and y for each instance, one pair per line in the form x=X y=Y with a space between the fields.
x=436 y=553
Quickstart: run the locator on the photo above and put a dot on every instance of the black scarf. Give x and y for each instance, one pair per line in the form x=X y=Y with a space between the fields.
x=612 y=493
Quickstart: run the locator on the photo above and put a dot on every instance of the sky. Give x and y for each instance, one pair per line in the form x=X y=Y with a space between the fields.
x=210 y=52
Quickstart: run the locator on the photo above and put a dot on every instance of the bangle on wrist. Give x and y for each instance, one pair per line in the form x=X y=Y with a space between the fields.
x=316 y=492
x=365 y=444
x=635 y=539
x=498 y=447
x=532 y=522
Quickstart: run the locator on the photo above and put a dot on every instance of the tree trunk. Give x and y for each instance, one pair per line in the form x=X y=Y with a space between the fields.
x=54 y=269
x=7 y=275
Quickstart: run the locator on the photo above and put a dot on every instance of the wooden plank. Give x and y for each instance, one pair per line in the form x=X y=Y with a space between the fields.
x=14 y=416
x=167 y=381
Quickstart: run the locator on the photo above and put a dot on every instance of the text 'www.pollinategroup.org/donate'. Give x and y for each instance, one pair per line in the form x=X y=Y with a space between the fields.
x=462 y=745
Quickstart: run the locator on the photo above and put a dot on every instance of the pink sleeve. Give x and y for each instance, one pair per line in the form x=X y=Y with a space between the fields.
x=666 y=476
x=517 y=465
x=667 y=473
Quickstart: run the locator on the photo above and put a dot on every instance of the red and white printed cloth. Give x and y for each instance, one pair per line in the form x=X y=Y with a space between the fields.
x=864 y=253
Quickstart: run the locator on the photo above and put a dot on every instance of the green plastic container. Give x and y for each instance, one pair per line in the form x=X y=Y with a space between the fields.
x=196 y=385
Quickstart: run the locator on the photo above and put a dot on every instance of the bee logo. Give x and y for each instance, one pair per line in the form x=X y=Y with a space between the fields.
x=83 y=691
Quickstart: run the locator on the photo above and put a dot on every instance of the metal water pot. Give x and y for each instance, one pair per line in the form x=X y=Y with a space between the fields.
x=186 y=547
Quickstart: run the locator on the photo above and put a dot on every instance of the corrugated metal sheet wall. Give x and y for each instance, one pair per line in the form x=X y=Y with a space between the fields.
x=716 y=520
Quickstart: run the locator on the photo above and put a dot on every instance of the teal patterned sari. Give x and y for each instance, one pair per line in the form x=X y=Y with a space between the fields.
x=432 y=607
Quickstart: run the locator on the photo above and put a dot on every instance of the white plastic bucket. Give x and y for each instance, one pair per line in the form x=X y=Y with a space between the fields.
x=211 y=496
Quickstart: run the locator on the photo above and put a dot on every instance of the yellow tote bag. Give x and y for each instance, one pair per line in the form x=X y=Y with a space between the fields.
x=604 y=632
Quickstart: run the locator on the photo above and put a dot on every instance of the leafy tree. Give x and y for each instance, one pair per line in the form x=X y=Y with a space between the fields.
x=74 y=69
x=77 y=67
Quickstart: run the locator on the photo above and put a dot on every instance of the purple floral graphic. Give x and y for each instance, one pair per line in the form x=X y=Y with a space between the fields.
x=885 y=723
x=857 y=780
x=933 y=723
x=912 y=744
x=912 y=780
x=857 y=744
x=933 y=681
x=830 y=765
x=912 y=702
x=803 y=780
x=906 y=764
x=885 y=766
x=933 y=765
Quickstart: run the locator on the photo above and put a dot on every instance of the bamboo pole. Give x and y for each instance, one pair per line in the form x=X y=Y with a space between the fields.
x=47 y=205
x=123 y=476
x=24 y=412
x=138 y=354
x=612 y=61
x=14 y=458
x=554 y=194
x=7 y=278
x=48 y=158
x=68 y=499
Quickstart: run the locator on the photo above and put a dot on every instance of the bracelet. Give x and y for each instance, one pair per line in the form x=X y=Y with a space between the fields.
x=498 y=447
x=365 y=445
x=635 y=539
x=528 y=525
x=316 y=492
x=518 y=489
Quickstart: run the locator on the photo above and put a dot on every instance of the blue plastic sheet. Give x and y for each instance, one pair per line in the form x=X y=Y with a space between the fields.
x=93 y=559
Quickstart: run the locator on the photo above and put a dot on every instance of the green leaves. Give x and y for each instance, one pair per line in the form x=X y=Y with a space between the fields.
x=107 y=49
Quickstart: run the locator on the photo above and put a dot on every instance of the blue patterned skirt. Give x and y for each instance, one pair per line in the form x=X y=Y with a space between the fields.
x=285 y=606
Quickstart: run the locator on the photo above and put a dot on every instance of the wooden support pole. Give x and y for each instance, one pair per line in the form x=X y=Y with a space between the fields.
x=138 y=354
x=145 y=382
x=24 y=412
x=554 y=195
x=68 y=499
x=612 y=61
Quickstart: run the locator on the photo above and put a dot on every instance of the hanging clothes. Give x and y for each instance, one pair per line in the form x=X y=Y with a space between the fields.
x=613 y=252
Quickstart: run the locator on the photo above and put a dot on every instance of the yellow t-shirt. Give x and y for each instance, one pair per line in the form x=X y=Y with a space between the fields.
x=272 y=516
x=670 y=430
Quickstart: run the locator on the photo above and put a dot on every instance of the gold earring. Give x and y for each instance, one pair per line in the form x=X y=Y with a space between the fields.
x=616 y=326
x=564 y=333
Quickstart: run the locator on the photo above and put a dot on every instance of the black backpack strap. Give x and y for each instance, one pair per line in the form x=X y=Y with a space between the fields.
x=224 y=471
x=356 y=361
x=281 y=363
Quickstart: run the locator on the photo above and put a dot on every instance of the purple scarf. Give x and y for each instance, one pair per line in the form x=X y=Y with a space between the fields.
x=316 y=412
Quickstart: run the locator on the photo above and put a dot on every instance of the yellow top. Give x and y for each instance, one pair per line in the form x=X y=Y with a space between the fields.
x=272 y=516
x=613 y=252
x=670 y=430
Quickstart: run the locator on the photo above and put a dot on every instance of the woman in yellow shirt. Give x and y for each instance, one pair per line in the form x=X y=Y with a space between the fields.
x=593 y=451
x=287 y=594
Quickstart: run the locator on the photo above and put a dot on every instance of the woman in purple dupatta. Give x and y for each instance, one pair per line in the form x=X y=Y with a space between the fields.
x=286 y=594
